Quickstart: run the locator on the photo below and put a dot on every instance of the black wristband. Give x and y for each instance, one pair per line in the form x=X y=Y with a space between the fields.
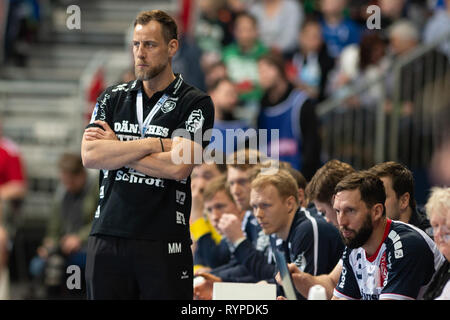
x=162 y=146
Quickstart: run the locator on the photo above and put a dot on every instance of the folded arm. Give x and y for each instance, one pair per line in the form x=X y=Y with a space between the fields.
x=175 y=164
x=100 y=149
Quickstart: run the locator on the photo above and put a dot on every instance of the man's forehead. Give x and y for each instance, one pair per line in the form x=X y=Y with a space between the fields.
x=205 y=168
x=267 y=192
x=236 y=173
x=221 y=196
x=347 y=197
x=151 y=29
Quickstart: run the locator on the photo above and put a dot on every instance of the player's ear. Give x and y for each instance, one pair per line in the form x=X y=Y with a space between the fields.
x=291 y=204
x=173 y=47
x=404 y=200
x=377 y=211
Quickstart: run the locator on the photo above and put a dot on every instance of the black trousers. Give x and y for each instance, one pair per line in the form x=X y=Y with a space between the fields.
x=119 y=268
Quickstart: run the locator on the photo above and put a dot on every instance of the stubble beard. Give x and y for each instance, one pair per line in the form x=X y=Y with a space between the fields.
x=361 y=236
x=145 y=75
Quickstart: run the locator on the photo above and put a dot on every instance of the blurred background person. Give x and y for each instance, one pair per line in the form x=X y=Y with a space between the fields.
x=13 y=188
x=225 y=98
x=437 y=26
x=68 y=227
x=289 y=110
x=241 y=59
x=23 y=22
x=311 y=64
x=338 y=31
x=438 y=210
x=278 y=23
x=187 y=60
x=362 y=63
x=212 y=30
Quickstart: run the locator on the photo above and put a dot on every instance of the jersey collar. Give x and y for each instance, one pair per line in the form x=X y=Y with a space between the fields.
x=386 y=232
x=172 y=89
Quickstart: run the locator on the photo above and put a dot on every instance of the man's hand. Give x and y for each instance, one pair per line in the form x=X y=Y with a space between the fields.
x=230 y=226
x=101 y=149
x=96 y=133
x=204 y=290
x=296 y=275
x=70 y=243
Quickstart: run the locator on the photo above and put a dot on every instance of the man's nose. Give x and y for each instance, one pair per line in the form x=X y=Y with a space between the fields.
x=342 y=220
x=235 y=189
x=140 y=53
x=258 y=213
x=215 y=215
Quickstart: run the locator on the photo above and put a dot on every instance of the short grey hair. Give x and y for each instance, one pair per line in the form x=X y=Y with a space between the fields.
x=439 y=200
x=404 y=29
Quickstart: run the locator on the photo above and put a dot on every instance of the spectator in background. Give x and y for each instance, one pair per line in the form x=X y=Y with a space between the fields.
x=305 y=238
x=12 y=173
x=403 y=37
x=4 y=272
x=438 y=210
x=362 y=64
x=241 y=60
x=417 y=79
x=312 y=63
x=22 y=28
x=394 y=10
x=439 y=168
x=320 y=190
x=187 y=61
x=211 y=31
x=338 y=31
x=279 y=22
x=12 y=193
x=69 y=224
x=225 y=98
x=400 y=203
x=289 y=110
x=214 y=72
x=437 y=26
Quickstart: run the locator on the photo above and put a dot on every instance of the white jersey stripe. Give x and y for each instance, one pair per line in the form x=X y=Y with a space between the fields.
x=316 y=239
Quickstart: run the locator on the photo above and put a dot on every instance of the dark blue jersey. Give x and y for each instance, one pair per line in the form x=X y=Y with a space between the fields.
x=284 y=117
x=313 y=244
x=249 y=260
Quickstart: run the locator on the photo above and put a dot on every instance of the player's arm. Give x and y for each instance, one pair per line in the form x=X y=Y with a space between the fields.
x=13 y=190
x=100 y=148
x=304 y=281
x=175 y=164
x=186 y=149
